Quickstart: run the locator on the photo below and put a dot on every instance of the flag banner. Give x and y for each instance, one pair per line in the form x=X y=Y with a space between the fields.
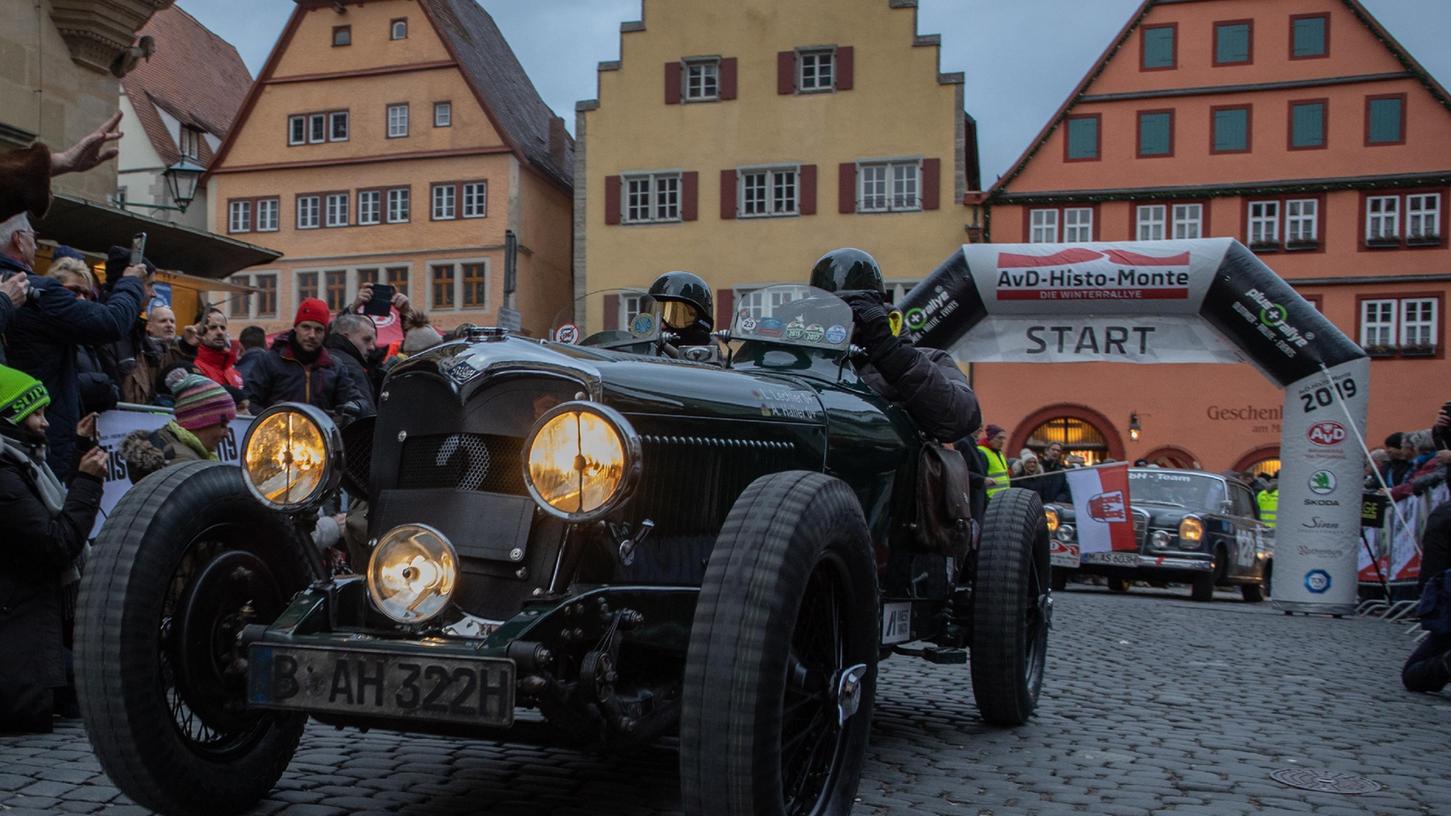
x=1405 y=525
x=1101 y=509
x=1374 y=543
x=113 y=426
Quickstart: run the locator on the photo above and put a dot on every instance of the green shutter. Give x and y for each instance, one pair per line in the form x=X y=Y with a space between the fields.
x=1231 y=43
x=1309 y=34
x=1159 y=47
x=1231 y=129
x=1083 y=138
x=1385 y=120
x=1154 y=134
x=1307 y=124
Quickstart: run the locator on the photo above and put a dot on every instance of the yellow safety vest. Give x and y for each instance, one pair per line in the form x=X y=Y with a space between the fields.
x=1269 y=502
x=997 y=468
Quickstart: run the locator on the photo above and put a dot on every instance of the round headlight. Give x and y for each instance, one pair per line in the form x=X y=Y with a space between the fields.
x=1160 y=539
x=1052 y=515
x=412 y=573
x=1065 y=533
x=1191 y=529
x=292 y=456
x=582 y=460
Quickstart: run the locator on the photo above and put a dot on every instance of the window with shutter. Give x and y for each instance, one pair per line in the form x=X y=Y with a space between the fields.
x=1309 y=36
x=846 y=187
x=1081 y=141
x=1307 y=125
x=1156 y=45
x=1385 y=119
x=1230 y=127
x=786 y=72
x=1234 y=42
x=808 y=189
x=1156 y=133
x=673 y=71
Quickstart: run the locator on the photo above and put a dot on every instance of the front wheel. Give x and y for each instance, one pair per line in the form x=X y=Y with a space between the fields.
x=1012 y=608
x=1120 y=585
x=186 y=559
x=781 y=669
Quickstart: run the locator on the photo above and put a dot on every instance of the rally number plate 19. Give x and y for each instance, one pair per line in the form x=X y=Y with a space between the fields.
x=476 y=690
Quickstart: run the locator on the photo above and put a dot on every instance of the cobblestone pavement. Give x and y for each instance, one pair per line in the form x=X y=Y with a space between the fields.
x=1153 y=705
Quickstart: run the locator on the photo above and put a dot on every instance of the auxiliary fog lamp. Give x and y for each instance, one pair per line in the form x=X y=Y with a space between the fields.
x=412 y=573
x=292 y=457
x=582 y=460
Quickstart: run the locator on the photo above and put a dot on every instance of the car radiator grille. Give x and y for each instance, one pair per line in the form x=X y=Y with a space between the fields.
x=463 y=461
x=1141 y=527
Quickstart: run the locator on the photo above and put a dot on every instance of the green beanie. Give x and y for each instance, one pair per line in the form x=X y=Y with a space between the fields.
x=20 y=395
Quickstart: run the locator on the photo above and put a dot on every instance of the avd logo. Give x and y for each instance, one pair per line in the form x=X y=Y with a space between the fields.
x=1326 y=433
x=1322 y=482
x=1317 y=581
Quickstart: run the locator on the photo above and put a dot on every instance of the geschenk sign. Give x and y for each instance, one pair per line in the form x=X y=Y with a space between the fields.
x=1207 y=300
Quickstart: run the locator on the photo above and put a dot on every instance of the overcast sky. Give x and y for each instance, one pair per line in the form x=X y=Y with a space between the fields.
x=1021 y=58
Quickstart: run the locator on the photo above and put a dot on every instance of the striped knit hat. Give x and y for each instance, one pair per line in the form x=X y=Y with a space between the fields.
x=201 y=403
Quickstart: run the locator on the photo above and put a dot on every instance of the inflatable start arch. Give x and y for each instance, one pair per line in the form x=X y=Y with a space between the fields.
x=1207 y=300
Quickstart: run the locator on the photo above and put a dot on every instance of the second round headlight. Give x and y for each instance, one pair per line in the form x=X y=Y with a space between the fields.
x=581 y=461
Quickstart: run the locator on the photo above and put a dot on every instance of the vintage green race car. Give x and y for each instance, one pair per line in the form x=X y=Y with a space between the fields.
x=566 y=544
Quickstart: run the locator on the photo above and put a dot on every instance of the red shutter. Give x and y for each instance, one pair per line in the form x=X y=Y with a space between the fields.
x=845 y=67
x=612 y=312
x=672 y=83
x=728 y=78
x=846 y=188
x=931 y=183
x=727 y=194
x=725 y=304
x=689 y=195
x=612 y=199
x=786 y=73
x=808 y=189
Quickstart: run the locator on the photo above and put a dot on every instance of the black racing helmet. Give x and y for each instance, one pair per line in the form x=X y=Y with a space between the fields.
x=686 y=305
x=847 y=269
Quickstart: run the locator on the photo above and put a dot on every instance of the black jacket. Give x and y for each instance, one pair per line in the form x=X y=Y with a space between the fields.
x=347 y=357
x=35 y=549
x=7 y=309
x=42 y=342
x=930 y=386
x=282 y=377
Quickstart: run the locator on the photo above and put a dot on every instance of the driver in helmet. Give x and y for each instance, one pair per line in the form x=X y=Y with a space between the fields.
x=685 y=307
x=926 y=381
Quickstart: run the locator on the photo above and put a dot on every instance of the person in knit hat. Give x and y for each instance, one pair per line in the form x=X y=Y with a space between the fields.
x=299 y=369
x=45 y=530
x=201 y=417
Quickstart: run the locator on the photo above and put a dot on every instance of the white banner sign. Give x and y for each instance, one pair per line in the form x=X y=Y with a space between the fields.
x=113 y=426
x=1107 y=339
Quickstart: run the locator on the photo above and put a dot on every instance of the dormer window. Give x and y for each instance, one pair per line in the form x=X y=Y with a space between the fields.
x=342 y=35
x=398 y=29
x=190 y=142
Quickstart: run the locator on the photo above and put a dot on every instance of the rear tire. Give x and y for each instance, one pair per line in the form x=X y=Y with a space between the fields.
x=1252 y=593
x=1011 y=608
x=788 y=603
x=177 y=559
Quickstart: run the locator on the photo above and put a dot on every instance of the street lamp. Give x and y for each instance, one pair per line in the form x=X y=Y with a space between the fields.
x=1135 y=429
x=181 y=181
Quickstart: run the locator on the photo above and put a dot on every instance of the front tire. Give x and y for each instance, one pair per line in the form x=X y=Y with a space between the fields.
x=1119 y=585
x=178 y=561
x=1011 y=608
x=788 y=606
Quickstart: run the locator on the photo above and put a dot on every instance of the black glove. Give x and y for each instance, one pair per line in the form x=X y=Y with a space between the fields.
x=870 y=317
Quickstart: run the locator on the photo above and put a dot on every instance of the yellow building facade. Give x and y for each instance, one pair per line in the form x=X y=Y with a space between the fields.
x=398 y=142
x=740 y=141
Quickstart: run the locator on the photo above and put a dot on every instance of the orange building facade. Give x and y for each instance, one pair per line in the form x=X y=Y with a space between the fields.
x=1300 y=128
x=398 y=142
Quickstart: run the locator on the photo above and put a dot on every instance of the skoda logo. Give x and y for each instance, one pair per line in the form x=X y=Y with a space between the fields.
x=1317 y=581
x=1322 y=482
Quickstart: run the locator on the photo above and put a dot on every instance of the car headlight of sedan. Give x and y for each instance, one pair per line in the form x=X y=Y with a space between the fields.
x=412 y=573
x=292 y=457
x=1191 y=531
x=1065 y=533
x=1051 y=514
x=1160 y=539
x=581 y=461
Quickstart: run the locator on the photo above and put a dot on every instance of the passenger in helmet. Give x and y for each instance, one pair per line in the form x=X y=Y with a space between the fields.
x=686 y=307
x=926 y=381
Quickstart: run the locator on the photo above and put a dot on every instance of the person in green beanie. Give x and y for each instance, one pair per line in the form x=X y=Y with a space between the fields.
x=45 y=529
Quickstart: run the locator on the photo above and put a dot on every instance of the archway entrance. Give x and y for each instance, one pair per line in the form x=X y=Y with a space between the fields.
x=1263 y=461
x=1208 y=300
x=1172 y=456
x=1081 y=431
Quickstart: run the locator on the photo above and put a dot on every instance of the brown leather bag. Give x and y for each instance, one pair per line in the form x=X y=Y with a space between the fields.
x=944 y=504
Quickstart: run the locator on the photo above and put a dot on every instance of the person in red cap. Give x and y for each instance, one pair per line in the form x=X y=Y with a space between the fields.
x=299 y=369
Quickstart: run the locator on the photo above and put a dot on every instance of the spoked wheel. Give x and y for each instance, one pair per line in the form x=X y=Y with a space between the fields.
x=1012 y=608
x=185 y=561
x=780 y=673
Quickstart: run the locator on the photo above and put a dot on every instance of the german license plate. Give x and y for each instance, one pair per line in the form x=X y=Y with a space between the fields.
x=476 y=690
x=1112 y=559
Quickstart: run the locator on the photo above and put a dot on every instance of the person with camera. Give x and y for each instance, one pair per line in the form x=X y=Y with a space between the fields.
x=45 y=530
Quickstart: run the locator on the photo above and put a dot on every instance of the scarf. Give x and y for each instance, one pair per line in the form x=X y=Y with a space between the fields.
x=190 y=440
